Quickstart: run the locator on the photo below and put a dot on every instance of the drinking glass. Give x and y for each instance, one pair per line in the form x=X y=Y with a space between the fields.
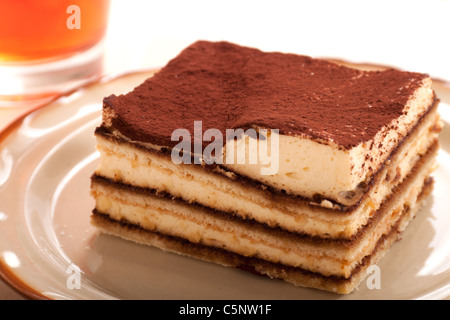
x=49 y=46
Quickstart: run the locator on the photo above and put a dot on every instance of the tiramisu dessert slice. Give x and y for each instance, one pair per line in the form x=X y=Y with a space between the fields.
x=292 y=167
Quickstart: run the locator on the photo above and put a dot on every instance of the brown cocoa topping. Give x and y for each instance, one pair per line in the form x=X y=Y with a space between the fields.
x=229 y=86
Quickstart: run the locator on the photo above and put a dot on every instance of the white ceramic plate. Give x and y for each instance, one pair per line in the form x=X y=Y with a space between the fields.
x=49 y=250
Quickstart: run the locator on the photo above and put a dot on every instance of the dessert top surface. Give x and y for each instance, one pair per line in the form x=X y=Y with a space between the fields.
x=227 y=86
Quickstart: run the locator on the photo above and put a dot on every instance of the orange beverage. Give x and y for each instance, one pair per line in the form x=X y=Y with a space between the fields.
x=32 y=30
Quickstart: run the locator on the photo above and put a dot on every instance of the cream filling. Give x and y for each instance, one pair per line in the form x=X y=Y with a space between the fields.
x=122 y=162
x=197 y=226
x=308 y=167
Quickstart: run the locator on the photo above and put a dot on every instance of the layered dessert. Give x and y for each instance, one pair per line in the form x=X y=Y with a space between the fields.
x=292 y=167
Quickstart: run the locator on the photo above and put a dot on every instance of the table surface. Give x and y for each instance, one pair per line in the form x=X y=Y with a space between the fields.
x=407 y=34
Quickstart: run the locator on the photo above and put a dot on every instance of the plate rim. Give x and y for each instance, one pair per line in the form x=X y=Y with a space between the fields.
x=7 y=275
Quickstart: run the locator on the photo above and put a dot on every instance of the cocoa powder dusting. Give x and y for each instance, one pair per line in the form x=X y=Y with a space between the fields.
x=229 y=86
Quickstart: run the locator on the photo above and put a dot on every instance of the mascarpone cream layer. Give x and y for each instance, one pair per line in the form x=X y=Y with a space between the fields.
x=197 y=225
x=307 y=167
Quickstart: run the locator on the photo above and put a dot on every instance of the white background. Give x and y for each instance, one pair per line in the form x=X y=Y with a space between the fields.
x=409 y=34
